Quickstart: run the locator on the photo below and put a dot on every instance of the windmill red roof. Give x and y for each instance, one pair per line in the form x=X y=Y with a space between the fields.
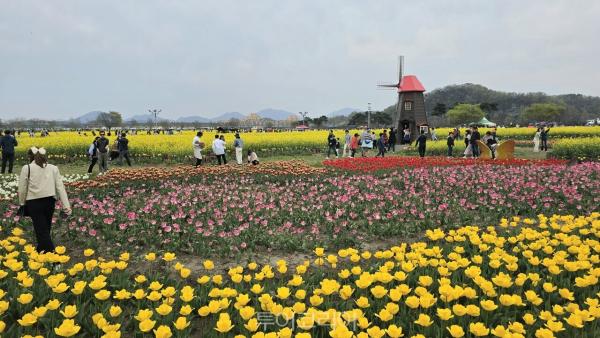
x=410 y=83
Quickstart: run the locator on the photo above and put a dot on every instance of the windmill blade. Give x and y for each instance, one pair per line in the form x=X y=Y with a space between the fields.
x=387 y=86
x=400 y=68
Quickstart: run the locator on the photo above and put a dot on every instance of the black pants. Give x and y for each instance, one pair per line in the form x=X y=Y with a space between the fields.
x=352 y=152
x=330 y=149
x=41 y=211
x=450 y=151
x=422 y=151
x=10 y=159
x=222 y=156
x=391 y=146
x=544 y=148
x=255 y=162
x=198 y=162
x=124 y=154
x=92 y=164
x=381 y=152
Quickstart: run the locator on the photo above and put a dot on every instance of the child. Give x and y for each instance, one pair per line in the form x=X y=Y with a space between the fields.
x=252 y=157
x=450 y=143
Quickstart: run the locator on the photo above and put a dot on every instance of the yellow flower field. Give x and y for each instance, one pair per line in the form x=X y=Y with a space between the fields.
x=71 y=145
x=521 y=278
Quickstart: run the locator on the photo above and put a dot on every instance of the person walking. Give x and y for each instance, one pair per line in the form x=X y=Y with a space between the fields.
x=468 y=149
x=354 y=144
x=433 y=134
x=197 y=145
x=123 y=146
x=103 y=152
x=8 y=142
x=93 y=154
x=40 y=184
x=392 y=140
x=238 y=144
x=475 y=136
x=366 y=142
x=536 y=140
x=347 y=140
x=422 y=144
x=331 y=144
x=381 y=145
x=218 y=147
x=450 y=143
x=544 y=138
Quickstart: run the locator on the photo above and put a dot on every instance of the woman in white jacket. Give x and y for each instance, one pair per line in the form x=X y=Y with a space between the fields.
x=40 y=184
x=536 y=140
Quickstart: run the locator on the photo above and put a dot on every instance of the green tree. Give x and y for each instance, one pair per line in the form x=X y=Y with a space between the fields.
x=539 y=112
x=381 y=118
x=110 y=120
x=319 y=121
x=464 y=113
x=358 y=119
x=439 y=109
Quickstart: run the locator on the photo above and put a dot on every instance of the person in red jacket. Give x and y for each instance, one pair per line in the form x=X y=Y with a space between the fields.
x=354 y=144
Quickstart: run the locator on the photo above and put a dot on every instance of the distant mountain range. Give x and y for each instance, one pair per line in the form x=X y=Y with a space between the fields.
x=343 y=112
x=269 y=113
x=89 y=117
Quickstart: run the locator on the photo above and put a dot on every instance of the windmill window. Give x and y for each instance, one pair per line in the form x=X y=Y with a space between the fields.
x=408 y=105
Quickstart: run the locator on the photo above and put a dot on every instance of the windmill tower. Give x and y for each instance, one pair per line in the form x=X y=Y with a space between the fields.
x=410 y=108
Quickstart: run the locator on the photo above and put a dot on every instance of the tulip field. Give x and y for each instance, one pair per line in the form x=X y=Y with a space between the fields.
x=365 y=247
x=575 y=142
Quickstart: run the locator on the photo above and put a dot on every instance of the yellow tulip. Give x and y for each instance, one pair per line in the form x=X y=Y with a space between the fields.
x=25 y=298
x=67 y=328
x=384 y=315
x=479 y=329
x=102 y=294
x=169 y=256
x=247 y=312
x=423 y=320
x=163 y=331
x=146 y=325
x=456 y=331
x=224 y=323
x=375 y=332
x=39 y=311
x=208 y=264
x=69 y=311
x=394 y=331
x=379 y=291
x=445 y=314
x=27 y=320
x=362 y=302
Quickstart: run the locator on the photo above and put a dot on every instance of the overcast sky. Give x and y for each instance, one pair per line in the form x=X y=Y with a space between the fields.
x=61 y=59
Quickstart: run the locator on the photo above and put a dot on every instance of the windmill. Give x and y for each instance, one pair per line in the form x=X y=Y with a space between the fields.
x=410 y=108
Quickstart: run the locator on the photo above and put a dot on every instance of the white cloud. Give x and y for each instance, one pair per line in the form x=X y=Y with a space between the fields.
x=64 y=58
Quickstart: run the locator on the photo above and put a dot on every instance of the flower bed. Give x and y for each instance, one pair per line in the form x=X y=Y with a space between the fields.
x=228 y=214
x=524 y=277
x=390 y=162
x=580 y=149
x=117 y=176
x=9 y=184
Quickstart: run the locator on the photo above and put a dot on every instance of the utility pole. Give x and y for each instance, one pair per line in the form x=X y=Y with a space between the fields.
x=155 y=112
x=369 y=115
